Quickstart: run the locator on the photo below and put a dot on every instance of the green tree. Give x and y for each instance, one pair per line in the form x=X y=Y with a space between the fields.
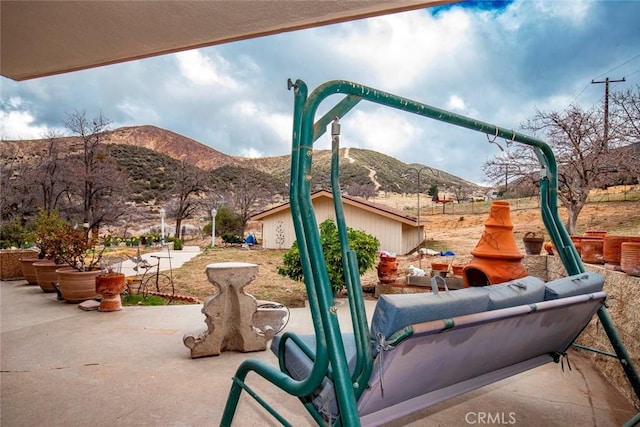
x=227 y=222
x=364 y=245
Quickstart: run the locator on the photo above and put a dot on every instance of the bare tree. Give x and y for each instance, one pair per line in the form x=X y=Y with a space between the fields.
x=17 y=196
x=100 y=185
x=51 y=175
x=626 y=112
x=626 y=129
x=584 y=159
x=247 y=191
x=366 y=191
x=186 y=194
x=461 y=193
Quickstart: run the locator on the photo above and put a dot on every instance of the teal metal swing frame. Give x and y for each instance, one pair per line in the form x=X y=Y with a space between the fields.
x=329 y=355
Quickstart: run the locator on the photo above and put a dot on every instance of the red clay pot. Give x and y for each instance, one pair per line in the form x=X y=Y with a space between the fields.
x=110 y=286
x=387 y=269
x=612 y=247
x=591 y=250
x=630 y=258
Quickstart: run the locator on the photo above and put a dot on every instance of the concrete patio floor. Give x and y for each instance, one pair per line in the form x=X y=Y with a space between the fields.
x=61 y=366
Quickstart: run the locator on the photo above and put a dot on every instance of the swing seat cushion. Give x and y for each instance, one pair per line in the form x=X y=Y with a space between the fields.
x=584 y=283
x=394 y=312
x=299 y=367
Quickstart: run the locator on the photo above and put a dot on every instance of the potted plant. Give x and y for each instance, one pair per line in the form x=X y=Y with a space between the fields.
x=110 y=284
x=80 y=251
x=46 y=227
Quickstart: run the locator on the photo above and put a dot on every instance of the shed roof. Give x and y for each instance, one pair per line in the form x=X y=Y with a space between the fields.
x=359 y=203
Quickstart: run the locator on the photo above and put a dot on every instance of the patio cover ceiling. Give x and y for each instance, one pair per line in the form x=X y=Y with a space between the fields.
x=41 y=38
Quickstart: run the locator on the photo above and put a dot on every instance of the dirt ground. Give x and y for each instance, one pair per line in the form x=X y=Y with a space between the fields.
x=448 y=232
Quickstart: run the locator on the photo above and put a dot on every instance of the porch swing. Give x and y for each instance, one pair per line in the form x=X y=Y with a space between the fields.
x=420 y=349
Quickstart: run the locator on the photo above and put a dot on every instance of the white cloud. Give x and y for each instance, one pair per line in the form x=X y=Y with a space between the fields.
x=455 y=103
x=387 y=131
x=205 y=70
x=136 y=110
x=20 y=125
x=395 y=51
x=251 y=153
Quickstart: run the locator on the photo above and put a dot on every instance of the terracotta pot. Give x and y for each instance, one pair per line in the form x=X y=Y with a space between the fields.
x=28 y=270
x=591 y=250
x=77 y=286
x=387 y=269
x=457 y=269
x=110 y=286
x=439 y=266
x=595 y=234
x=630 y=258
x=612 y=247
x=577 y=242
x=496 y=258
x=46 y=274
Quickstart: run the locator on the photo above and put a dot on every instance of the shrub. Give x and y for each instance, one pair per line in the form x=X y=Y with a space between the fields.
x=14 y=234
x=364 y=245
x=228 y=222
x=229 y=237
x=46 y=234
x=177 y=244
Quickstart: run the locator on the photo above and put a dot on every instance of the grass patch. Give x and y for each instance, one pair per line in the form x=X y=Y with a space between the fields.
x=139 y=299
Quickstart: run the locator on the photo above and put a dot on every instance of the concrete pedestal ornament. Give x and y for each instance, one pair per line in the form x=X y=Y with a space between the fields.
x=229 y=313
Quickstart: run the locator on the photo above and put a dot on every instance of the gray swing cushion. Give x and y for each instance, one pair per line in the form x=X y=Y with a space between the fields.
x=526 y=290
x=583 y=283
x=394 y=312
x=300 y=366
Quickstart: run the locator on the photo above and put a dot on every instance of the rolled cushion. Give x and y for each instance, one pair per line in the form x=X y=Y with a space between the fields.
x=526 y=290
x=583 y=283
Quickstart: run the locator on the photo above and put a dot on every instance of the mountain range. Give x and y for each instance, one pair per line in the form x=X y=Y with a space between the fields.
x=358 y=167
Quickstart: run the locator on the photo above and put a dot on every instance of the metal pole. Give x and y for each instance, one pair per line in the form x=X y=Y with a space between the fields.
x=162 y=212
x=418 y=219
x=213 y=227
x=419 y=232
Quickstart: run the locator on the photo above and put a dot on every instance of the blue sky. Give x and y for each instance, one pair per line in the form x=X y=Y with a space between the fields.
x=494 y=61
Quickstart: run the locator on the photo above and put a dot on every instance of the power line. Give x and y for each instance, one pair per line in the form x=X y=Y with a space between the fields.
x=613 y=69
x=619 y=66
x=578 y=95
x=632 y=73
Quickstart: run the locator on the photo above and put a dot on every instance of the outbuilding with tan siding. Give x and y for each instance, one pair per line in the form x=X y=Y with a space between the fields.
x=396 y=231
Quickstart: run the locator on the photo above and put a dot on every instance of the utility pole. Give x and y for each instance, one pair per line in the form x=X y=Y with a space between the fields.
x=606 y=106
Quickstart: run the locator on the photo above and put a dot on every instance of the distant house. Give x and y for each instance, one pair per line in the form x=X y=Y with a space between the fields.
x=396 y=231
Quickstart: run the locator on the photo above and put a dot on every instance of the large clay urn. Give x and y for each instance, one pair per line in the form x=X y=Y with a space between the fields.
x=77 y=286
x=110 y=286
x=387 y=269
x=496 y=258
x=28 y=270
x=46 y=274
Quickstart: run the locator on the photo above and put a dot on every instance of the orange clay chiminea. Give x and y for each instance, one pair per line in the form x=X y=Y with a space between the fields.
x=496 y=258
